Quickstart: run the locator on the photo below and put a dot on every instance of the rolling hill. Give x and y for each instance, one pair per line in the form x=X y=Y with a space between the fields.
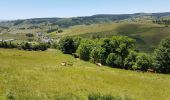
x=95 y=19
x=139 y=26
x=147 y=35
x=35 y=75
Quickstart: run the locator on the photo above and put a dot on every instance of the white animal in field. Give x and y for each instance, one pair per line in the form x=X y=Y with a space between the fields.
x=64 y=63
x=98 y=64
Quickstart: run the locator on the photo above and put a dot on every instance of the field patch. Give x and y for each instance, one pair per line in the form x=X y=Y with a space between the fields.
x=40 y=75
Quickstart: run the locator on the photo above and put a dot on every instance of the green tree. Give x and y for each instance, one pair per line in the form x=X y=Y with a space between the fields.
x=84 y=49
x=143 y=62
x=130 y=60
x=98 y=55
x=162 y=56
x=111 y=60
x=77 y=41
x=66 y=45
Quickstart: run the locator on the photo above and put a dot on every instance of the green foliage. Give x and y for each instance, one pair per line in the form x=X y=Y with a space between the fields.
x=10 y=95
x=30 y=35
x=40 y=46
x=77 y=41
x=98 y=55
x=130 y=60
x=4 y=44
x=122 y=45
x=67 y=45
x=52 y=30
x=26 y=46
x=111 y=59
x=106 y=43
x=60 y=31
x=162 y=56
x=85 y=49
x=33 y=46
x=55 y=45
x=68 y=96
x=143 y=62
x=105 y=97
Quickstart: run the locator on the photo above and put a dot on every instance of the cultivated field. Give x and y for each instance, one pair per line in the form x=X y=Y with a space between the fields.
x=35 y=75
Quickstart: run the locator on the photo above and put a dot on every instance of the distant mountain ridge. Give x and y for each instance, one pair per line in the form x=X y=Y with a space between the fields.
x=95 y=19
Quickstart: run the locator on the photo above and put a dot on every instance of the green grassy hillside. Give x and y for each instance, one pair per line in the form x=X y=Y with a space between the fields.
x=35 y=75
x=147 y=35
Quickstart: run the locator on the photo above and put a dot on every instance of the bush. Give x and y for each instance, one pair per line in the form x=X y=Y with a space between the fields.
x=107 y=44
x=121 y=45
x=84 y=49
x=105 y=97
x=60 y=31
x=41 y=46
x=55 y=45
x=111 y=60
x=33 y=46
x=67 y=96
x=143 y=62
x=162 y=56
x=77 y=41
x=130 y=60
x=30 y=35
x=98 y=55
x=7 y=45
x=67 y=45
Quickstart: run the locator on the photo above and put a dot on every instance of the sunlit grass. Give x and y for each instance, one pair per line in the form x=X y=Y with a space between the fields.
x=35 y=75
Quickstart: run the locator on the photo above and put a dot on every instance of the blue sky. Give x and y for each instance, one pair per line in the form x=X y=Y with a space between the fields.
x=21 y=9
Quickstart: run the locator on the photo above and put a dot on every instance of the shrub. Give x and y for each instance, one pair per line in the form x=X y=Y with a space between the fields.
x=106 y=43
x=33 y=46
x=30 y=35
x=77 y=41
x=60 y=31
x=143 y=62
x=10 y=95
x=55 y=45
x=67 y=96
x=98 y=55
x=105 y=97
x=162 y=56
x=67 y=46
x=4 y=44
x=84 y=49
x=121 y=45
x=40 y=46
x=26 y=46
x=130 y=60
x=111 y=60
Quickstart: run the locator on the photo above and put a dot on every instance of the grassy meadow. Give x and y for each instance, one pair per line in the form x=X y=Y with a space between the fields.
x=36 y=75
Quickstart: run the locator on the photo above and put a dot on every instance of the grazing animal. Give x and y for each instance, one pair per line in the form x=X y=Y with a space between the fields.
x=151 y=71
x=64 y=63
x=98 y=64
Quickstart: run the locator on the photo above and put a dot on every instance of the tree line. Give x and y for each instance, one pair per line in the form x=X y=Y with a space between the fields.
x=118 y=52
x=30 y=46
x=162 y=21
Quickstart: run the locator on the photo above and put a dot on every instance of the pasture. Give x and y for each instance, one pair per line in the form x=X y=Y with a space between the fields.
x=35 y=75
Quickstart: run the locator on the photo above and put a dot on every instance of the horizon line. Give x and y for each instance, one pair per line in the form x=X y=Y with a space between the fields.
x=1 y=20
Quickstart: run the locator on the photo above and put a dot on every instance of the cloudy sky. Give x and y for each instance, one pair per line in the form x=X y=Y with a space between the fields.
x=22 y=9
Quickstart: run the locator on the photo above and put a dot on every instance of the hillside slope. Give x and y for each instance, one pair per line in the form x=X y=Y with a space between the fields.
x=147 y=35
x=38 y=75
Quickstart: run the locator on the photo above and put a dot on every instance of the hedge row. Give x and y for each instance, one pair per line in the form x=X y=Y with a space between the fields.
x=118 y=52
x=25 y=46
